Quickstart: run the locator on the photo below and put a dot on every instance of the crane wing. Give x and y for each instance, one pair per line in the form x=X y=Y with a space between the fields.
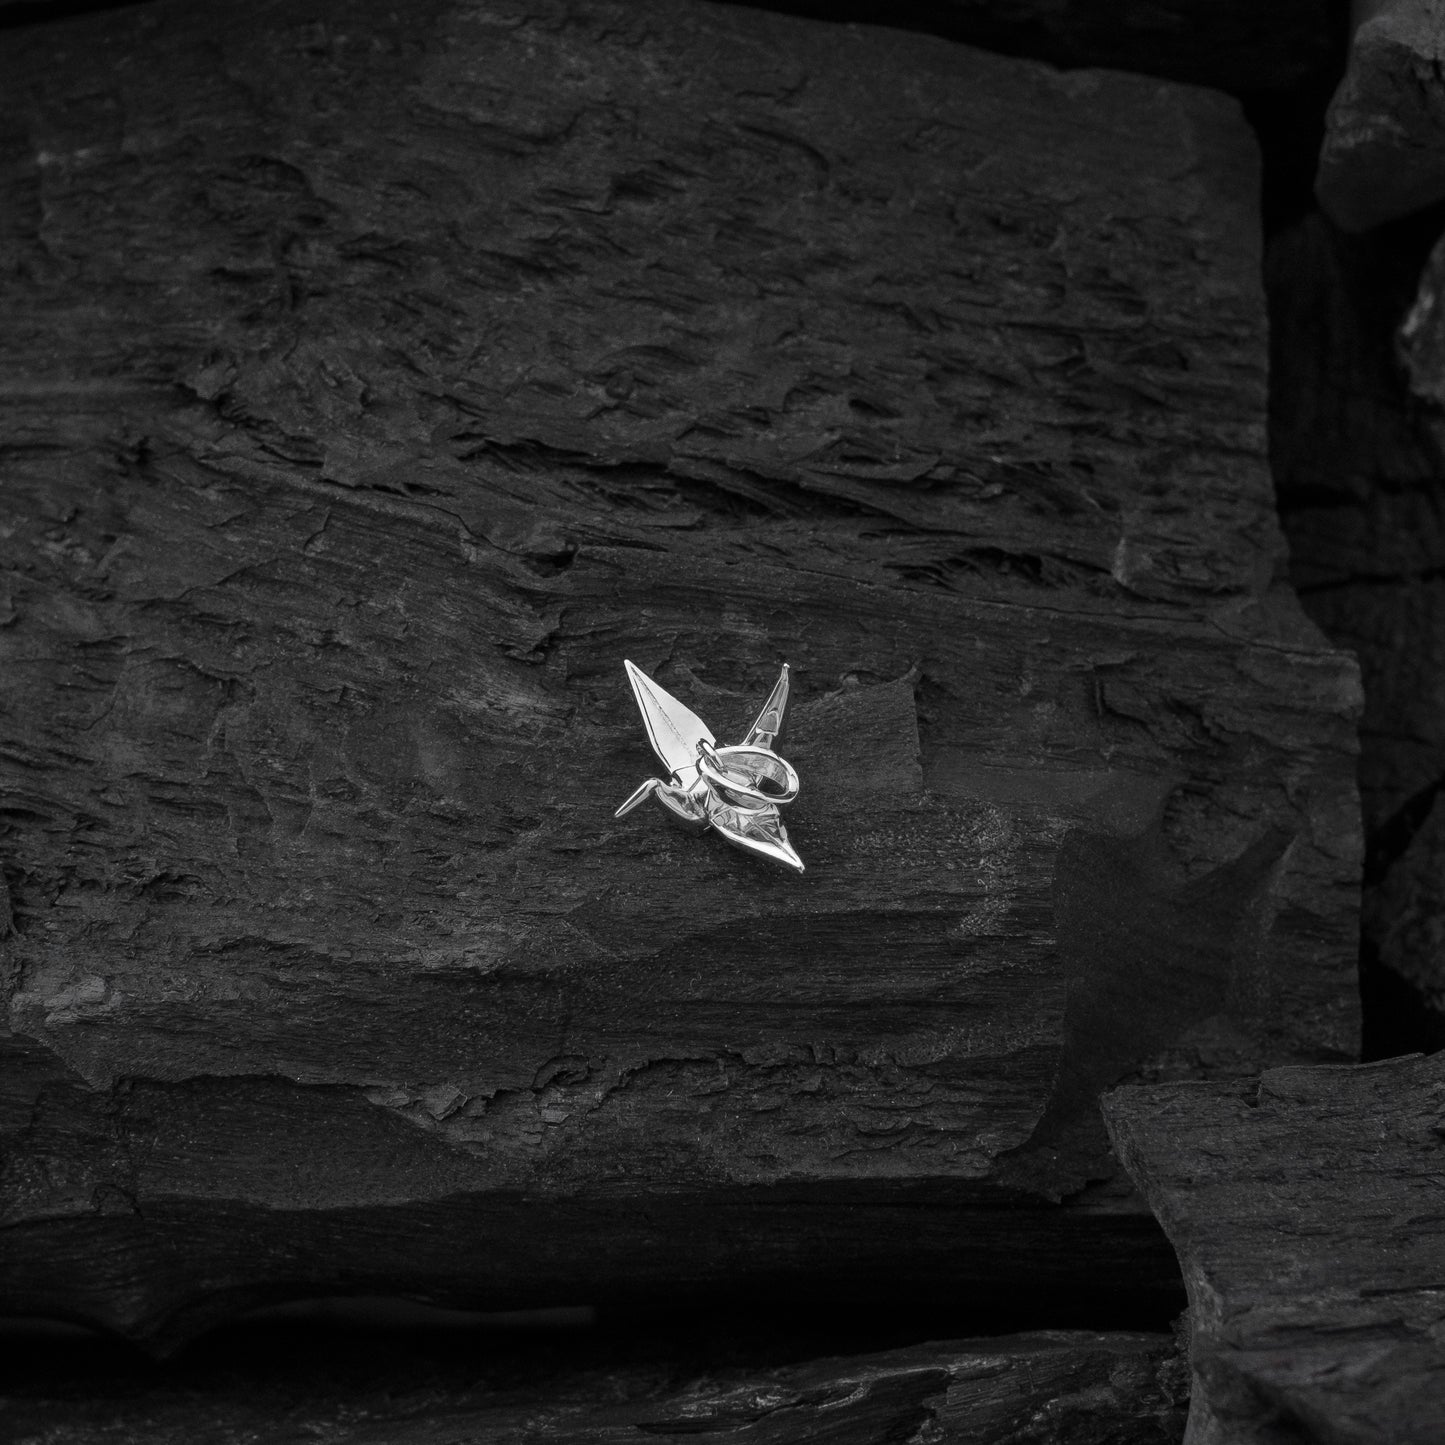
x=769 y=723
x=673 y=730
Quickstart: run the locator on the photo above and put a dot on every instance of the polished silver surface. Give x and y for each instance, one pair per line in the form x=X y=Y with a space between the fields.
x=737 y=790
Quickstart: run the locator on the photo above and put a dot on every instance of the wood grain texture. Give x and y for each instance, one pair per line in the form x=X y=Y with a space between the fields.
x=1384 y=148
x=1040 y=1389
x=372 y=388
x=1306 y=1215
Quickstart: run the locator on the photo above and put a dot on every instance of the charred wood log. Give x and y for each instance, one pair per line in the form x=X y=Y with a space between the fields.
x=373 y=386
x=1306 y=1215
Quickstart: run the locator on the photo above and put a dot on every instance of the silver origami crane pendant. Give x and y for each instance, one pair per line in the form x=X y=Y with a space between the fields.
x=737 y=790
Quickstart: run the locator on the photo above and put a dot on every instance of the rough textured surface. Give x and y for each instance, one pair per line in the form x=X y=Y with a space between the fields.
x=1384 y=148
x=1357 y=461
x=1306 y=1215
x=1040 y=1389
x=372 y=386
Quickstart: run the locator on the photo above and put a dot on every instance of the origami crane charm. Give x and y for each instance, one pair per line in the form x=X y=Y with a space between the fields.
x=737 y=790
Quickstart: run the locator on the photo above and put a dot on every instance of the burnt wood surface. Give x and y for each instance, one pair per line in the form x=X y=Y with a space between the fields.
x=1034 y=1389
x=1306 y=1215
x=1384 y=147
x=373 y=385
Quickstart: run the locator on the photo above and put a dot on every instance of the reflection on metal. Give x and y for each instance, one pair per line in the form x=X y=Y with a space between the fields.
x=737 y=790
